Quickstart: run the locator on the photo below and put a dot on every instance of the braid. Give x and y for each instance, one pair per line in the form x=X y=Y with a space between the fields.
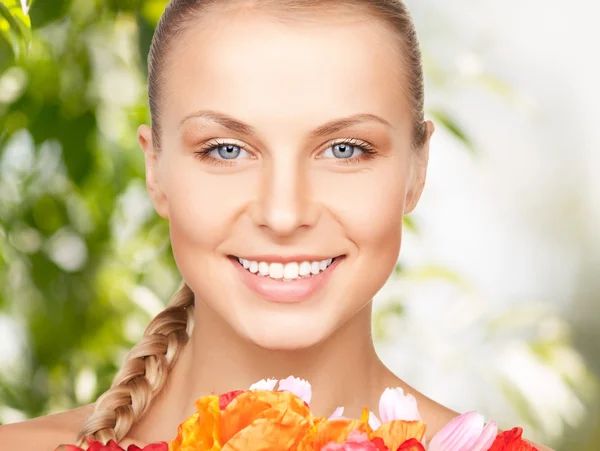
x=144 y=373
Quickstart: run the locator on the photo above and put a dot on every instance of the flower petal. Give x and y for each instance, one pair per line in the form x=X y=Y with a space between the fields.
x=461 y=432
x=202 y=429
x=511 y=440
x=411 y=445
x=395 y=405
x=395 y=433
x=487 y=437
x=264 y=384
x=374 y=421
x=299 y=387
x=337 y=413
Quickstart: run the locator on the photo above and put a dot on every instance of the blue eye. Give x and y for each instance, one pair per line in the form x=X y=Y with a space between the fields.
x=228 y=151
x=349 y=150
x=344 y=150
x=221 y=152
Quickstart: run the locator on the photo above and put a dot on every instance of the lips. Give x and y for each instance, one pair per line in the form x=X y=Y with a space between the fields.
x=282 y=290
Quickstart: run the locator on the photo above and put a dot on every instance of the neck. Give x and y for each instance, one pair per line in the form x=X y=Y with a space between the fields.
x=343 y=371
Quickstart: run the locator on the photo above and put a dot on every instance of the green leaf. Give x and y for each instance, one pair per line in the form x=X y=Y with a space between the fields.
x=15 y=26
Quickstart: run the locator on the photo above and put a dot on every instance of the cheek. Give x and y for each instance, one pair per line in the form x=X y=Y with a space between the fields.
x=202 y=206
x=369 y=206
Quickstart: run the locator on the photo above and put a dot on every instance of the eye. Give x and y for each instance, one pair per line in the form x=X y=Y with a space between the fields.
x=220 y=152
x=349 y=149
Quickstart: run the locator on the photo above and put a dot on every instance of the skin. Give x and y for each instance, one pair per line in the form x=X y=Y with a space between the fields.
x=287 y=193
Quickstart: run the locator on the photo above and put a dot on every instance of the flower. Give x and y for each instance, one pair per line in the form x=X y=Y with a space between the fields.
x=263 y=418
x=411 y=445
x=299 y=387
x=395 y=405
x=202 y=430
x=511 y=441
x=465 y=432
x=264 y=384
x=401 y=419
x=395 y=433
x=266 y=419
x=335 y=430
x=113 y=446
x=337 y=413
x=357 y=441
x=226 y=398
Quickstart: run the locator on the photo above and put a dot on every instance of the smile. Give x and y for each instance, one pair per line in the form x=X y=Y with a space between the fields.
x=289 y=282
x=286 y=271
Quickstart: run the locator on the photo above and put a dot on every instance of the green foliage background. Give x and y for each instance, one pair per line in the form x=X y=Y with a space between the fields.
x=79 y=276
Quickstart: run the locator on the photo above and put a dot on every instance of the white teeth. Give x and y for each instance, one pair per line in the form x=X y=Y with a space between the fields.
x=304 y=269
x=315 y=267
x=263 y=268
x=288 y=271
x=276 y=271
x=253 y=267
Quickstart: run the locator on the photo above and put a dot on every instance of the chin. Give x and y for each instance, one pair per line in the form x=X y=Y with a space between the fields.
x=287 y=334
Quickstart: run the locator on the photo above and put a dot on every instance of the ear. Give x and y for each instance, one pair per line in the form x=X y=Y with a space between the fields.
x=153 y=185
x=418 y=171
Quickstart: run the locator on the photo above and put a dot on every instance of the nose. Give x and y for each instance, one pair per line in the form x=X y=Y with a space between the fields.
x=285 y=203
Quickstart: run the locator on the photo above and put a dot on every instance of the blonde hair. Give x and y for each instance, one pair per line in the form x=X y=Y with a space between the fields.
x=144 y=372
x=147 y=366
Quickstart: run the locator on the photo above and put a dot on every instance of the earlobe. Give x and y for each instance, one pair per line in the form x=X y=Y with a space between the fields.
x=153 y=185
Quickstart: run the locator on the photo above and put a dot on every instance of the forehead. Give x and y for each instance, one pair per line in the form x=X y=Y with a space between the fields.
x=288 y=74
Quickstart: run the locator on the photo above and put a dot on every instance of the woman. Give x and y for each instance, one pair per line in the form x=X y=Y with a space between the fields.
x=287 y=143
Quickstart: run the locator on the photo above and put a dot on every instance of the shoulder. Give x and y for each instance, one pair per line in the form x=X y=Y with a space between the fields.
x=44 y=433
x=436 y=415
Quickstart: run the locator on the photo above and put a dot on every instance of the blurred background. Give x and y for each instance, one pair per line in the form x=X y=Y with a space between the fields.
x=495 y=304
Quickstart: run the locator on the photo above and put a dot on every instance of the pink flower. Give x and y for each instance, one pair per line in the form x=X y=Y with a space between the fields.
x=299 y=387
x=356 y=441
x=465 y=433
x=337 y=413
x=395 y=405
x=264 y=384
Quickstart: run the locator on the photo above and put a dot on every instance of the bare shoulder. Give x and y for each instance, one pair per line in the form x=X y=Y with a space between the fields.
x=44 y=433
x=436 y=416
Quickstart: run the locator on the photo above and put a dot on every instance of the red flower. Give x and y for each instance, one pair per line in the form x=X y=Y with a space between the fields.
x=411 y=444
x=511 y=441
x=226 y=398
x=379 y=444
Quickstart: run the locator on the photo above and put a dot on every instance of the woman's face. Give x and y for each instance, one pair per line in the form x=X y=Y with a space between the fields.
x=306 y=134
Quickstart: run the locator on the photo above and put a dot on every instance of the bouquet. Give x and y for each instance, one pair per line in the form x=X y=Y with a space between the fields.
x=263 y=418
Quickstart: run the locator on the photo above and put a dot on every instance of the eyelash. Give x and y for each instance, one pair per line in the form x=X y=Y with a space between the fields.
x=368 y=150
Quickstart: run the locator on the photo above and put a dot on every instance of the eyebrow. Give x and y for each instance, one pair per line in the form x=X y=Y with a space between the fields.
x=328 y=128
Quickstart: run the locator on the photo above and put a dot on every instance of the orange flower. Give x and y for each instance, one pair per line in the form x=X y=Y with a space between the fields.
x=257 y=420
x=201 y=431
x=333 y=430
x=394 y=433
x=266 y=413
